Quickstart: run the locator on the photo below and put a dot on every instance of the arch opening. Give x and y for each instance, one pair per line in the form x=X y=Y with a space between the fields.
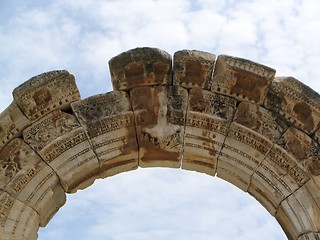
x=162 y=203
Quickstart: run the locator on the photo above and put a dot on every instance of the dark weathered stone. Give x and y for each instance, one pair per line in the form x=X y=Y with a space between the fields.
x=140 y=67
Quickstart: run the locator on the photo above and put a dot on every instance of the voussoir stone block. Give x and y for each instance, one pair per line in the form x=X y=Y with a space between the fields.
x=63 y=144
x=12 y=122
x=193 y=68
x=46 y=92
x=139 y=67
x=303 y=148
x=109 y=122
x=296 y=102
x=260 y=120
x=17 y=220
x=241 y=78
x=208 y=118
x=299 y=213
x=160 y=113
x=25 y=176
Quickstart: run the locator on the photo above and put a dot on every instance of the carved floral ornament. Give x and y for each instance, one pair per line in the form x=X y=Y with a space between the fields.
x=223 y=116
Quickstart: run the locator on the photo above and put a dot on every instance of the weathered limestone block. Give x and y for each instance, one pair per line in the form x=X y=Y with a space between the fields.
x=276 y=178
x=17 y=220
x=109 y=122
x=303 y=148
x=25 y=176
x=12 y=122
x=46 y=92
x=140 y=67
x=208 y=118
x=299 y=213
x=260 y=120
x=193 y=68
x=160 y=119
x=60 y=140
x=241 y=154
x=296 y=102
x=242 y=79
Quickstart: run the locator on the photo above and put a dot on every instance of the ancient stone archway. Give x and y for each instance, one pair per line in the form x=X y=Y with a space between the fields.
x=221 y=116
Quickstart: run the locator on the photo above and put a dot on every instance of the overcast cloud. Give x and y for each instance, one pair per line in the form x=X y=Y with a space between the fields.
x=82 y=35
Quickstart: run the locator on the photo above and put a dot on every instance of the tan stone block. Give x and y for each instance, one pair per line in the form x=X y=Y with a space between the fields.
x=17 y=220
x=271 y=184
x=303 y=148
x=299 y=213
x=109 y=122
x=160 y=113
x=241 y=154
x=139 y=67
x=63 y=144
x=241 y=78
x=193 y=68
x=208 y=118
x=296 y=102
x=46 y=92
x=12 y=122
x=260 y=120
x=26 y=177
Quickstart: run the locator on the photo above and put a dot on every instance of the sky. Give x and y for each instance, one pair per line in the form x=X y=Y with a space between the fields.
x=82 y=35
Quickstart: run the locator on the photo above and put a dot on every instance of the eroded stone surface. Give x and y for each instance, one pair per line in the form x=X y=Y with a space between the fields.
x=241 y=78
x=46 y=92
x=160 y=118
x=193 y=68
x=109 y=122
x=260 y=120
x=296 y=102
x=26 y=177
x=208 y=118
x=60 y=140
x=139 y=67
x=17 y=220
x=13 y=121
x=299 y=213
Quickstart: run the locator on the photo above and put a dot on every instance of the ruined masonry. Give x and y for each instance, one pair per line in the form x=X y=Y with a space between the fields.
x=222 y=116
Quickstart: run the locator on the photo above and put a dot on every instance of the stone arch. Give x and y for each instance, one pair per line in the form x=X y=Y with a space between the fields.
x=223 y=116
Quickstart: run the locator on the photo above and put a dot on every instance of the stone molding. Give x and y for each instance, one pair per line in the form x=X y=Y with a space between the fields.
x=222 y=116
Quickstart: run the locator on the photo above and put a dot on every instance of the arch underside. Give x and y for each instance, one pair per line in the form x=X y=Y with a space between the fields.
x=222 y=116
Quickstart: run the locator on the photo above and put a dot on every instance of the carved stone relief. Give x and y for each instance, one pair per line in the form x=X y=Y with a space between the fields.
x=21 y=169
x=297 y=103
x=17 y=220
x=12 y=123
x=208 y=118
x=139 y=67
x=160 y=118
x=193 y=69
x=56 y=138
x=46 y=92
x=241 y=78
x=109 y=122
